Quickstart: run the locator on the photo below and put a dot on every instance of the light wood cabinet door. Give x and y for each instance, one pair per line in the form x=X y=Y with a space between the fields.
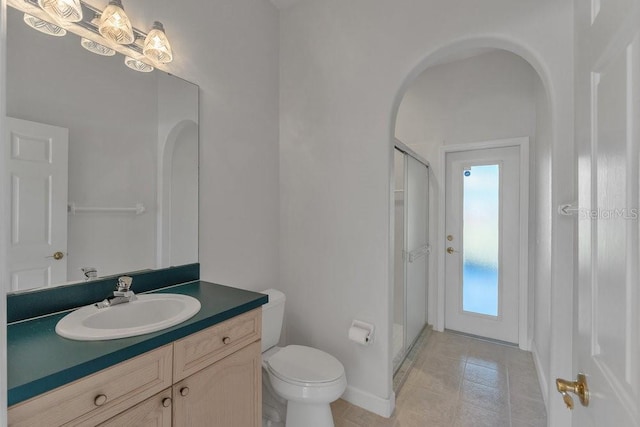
x=153 y=412
x=225 y=394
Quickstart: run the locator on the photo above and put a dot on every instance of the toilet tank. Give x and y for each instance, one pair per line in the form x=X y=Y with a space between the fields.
x=272 y=317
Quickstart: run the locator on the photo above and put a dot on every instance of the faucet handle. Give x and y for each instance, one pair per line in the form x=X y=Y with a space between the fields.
x=124 y=283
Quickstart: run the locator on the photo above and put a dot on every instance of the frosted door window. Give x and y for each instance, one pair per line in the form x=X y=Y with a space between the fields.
x=480 y=251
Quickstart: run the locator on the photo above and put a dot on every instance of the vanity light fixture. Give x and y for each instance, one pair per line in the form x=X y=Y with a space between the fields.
x=137 y=65
x=115 y=24
x=104 y=32
x=96 y=48
x=156 y=45
x=63 y=10
x=44 y=26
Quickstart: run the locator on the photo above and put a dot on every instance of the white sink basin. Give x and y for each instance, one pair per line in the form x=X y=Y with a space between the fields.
x=148 y=313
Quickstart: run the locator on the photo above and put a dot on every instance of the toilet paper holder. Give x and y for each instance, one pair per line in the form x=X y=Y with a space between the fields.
x=361 y=332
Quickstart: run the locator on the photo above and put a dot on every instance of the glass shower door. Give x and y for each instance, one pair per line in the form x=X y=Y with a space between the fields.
x=411 y=208
x=398 y=326
x=416 y=247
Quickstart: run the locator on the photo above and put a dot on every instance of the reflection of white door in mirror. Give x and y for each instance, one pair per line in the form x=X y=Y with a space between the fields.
x=177 y=196
x=38 y=168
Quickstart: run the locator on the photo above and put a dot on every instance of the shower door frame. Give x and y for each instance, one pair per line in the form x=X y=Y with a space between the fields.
x=406 y=345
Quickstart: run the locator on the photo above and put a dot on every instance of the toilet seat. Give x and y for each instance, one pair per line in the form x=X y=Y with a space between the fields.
x=305 y=366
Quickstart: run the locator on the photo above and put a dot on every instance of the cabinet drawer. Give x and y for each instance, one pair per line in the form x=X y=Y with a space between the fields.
x=98 y=396
x=201 y=349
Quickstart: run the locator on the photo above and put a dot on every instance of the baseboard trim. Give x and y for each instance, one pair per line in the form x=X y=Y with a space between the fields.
x=542 y=375
x=370 y=402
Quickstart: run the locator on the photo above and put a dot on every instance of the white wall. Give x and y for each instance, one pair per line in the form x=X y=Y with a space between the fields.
x=485 y=97
x=343 y=69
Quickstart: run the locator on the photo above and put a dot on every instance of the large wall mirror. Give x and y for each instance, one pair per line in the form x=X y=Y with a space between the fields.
x=103 y=162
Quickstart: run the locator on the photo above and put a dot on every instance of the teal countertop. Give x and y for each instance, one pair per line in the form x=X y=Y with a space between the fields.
x=38 y=360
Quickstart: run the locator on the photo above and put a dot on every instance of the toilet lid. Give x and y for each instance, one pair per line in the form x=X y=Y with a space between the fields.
x=305 y=364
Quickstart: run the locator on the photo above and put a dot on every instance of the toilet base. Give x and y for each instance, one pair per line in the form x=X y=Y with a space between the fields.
x=309 y=415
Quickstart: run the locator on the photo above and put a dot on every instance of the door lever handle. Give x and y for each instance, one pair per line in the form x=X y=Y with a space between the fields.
x=578 y=387
x=57 y=255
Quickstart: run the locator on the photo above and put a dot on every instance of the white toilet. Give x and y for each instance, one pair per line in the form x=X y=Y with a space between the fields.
x=299 y=382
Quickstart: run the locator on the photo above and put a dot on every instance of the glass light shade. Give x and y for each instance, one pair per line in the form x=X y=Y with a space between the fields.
x=115 y=24
x=44 y=26
x=137 y=65
x=96 y=48
x=156 y=45
x=64 y=10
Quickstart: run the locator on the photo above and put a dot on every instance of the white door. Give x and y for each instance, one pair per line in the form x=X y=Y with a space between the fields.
x=482 y=227
x=606 y=340
x=416 y=246
x=38 y=160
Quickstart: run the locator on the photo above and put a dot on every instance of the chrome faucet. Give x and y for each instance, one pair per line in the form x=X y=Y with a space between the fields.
x=90 y=273
x=122 y=294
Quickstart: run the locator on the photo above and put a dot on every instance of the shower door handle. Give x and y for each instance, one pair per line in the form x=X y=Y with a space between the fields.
x=418 y=253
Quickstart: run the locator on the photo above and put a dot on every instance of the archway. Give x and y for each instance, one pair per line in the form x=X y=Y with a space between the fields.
x=456 y=50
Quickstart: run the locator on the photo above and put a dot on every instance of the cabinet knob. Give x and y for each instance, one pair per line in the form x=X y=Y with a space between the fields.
x=166 y=402
x=226 y=340
x=100 y=400
x=184 y=391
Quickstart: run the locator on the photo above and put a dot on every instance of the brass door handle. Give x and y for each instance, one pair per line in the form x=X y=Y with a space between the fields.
x=57 y=256
x=578 y=387
x=450 y=250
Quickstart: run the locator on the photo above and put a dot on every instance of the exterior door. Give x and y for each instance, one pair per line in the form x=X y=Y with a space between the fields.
x=606 y=340
x=38 y=160
x=482 y=242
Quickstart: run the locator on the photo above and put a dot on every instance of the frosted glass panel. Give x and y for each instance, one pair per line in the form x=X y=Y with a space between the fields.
x=480 y=252
x=399 y=346
x=417 y=211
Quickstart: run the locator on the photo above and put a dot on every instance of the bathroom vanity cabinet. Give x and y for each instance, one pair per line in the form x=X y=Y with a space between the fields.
x=212 y=377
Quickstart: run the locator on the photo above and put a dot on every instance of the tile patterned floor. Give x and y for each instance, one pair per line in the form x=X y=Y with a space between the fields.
x=460 y=381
